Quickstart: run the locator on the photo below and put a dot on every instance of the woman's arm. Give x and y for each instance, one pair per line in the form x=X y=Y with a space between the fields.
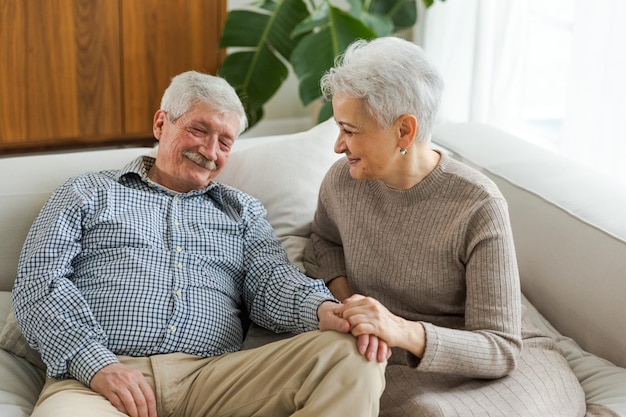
x=340 y=288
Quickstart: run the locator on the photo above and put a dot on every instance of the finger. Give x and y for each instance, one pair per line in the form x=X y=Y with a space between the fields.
x=362 y=342
x=361 y=324
x=384 y=351
x=128 y=403
x=117 y=402
x=353 y=298
x=332 y=321
x=372 y=348
x=148 y=395
x=141 y=403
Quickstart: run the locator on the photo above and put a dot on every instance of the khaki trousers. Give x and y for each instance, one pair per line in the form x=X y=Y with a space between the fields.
x=313 y=374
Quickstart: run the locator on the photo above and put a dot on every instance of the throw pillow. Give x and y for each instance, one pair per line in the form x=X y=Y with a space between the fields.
x=285 y=173
x=12 y=340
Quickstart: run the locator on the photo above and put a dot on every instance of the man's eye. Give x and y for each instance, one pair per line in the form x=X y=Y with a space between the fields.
x=196 y=131
x=347 y=132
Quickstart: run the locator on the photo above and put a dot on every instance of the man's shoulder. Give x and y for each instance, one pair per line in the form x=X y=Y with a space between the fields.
x=238 y=199
x=93 y=177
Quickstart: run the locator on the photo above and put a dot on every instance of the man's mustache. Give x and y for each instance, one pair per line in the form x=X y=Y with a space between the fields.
x=200 y=160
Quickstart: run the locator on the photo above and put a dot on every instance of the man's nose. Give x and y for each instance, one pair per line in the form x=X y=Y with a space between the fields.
x=211 y=146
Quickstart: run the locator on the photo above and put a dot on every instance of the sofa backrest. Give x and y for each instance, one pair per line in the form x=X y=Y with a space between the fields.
x=569 y=229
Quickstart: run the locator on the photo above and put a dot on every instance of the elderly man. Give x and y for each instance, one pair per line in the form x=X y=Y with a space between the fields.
x=131 y=284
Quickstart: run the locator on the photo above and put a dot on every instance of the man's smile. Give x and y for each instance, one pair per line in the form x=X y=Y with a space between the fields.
x=198 y=159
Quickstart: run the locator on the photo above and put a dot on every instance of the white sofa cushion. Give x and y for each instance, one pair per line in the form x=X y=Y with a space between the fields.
x=12 y=340
x=266 y=167
x=603 y=382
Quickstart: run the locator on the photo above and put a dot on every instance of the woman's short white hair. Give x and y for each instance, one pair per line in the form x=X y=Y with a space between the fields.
x=392 y=77
x=191 y=87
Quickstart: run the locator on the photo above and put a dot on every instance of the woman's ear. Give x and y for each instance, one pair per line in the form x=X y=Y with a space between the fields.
x=408 y=130
x=157 y=123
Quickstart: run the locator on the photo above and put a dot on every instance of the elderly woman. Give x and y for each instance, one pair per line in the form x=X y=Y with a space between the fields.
x=419 y=248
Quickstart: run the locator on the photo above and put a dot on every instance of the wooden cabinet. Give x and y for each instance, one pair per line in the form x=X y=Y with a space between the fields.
x=78 y=73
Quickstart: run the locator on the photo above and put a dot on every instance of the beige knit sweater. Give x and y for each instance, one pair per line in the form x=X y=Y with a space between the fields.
x=441 y=253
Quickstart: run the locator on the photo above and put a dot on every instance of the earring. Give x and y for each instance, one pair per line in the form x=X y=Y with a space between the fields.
x=403 y=151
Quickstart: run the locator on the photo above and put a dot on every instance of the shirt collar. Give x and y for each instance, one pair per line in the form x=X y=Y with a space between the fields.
x=140 y=166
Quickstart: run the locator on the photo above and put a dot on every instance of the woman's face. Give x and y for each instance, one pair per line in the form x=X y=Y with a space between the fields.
x=371 y=151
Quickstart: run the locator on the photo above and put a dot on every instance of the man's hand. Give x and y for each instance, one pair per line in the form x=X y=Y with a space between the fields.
x=127 y=389
x=330 y=318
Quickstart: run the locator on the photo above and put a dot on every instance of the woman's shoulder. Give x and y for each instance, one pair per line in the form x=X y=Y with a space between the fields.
x=467 y=176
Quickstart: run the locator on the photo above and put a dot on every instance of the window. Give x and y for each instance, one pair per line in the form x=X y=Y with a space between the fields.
x=549 y=71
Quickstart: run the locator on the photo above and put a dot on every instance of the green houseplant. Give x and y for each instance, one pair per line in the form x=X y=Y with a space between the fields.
x=273 y=35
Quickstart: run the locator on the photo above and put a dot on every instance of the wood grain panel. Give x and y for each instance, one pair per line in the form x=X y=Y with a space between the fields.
x=60 y=72
x=162 y=39
x=98 y=68
x=77 y=73
x=12 y=77
x=50 y=70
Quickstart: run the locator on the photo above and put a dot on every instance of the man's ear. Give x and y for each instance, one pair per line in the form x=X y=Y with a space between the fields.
x=157 y=123
x=407 y=125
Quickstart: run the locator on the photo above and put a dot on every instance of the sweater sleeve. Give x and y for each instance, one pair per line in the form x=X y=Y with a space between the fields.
x=489 y=345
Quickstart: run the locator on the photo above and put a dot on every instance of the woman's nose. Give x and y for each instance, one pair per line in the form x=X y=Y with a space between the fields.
x=340 y=145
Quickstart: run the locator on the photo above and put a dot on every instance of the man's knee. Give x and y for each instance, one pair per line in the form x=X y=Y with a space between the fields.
x=343 y=348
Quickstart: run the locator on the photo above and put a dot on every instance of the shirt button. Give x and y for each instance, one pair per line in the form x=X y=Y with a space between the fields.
x=176 y=223
x=179 y=249
x=178 y=293
x=179 y=266
x=176 y=198
x=172 y=329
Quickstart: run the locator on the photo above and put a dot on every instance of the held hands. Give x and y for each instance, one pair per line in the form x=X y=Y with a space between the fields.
x=127 y=389
x=331 y=317
x=378 y=329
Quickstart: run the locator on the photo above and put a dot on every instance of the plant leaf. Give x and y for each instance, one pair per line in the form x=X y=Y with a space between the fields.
x=256 y=76
x=326 y=112
x=256 y=72
x=315 y=53
x=382 y=24
x=403 y=13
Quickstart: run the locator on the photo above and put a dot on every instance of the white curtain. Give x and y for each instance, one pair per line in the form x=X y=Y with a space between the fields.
x=550 y=71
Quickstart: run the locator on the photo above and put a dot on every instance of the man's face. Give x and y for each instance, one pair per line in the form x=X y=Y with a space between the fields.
x=194 y=149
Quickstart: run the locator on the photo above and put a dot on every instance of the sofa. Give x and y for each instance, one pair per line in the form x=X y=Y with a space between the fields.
x=568 y=225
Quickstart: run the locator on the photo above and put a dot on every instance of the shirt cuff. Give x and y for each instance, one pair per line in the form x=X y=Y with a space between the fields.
x=89 y=360
x=308 y=310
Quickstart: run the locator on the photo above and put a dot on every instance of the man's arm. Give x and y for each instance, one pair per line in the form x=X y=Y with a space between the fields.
x=50 y=310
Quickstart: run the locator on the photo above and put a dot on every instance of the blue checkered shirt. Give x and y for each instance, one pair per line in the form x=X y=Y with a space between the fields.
x=117 y=265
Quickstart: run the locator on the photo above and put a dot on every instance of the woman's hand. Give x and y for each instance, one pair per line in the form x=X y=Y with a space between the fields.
x=373 y=348
x=368 y=317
